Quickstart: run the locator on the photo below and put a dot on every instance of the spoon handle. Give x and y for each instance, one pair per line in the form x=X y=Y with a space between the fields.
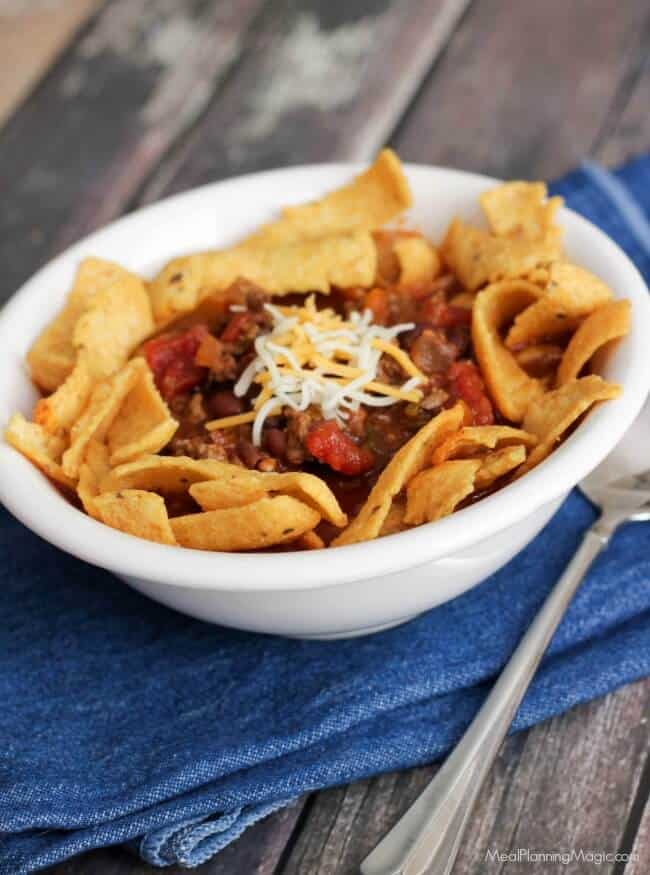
x=427 y=838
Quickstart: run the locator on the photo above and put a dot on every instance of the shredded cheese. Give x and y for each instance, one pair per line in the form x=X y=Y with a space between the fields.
x=315 y=357
x=230 y=421
x=400 y=357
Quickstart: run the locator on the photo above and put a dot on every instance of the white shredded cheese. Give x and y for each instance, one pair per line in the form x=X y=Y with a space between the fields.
x=315 y=357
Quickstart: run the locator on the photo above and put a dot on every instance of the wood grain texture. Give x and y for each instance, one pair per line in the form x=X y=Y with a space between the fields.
x=639 y=849
x=344 y=823
x=79 y=148
x=525 y=88
x=32 y=35
x=92 y=134
x=258 y=852
x=567 y=783
x=322 y=81
x=627 y=130
x=260 y=849
x=575 y=782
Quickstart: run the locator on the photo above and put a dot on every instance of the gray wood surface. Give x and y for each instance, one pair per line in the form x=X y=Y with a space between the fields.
x=528 y=89
x=155 y=96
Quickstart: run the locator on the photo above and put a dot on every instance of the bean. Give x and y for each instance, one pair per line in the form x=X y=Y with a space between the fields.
x=223 y=403
x=248 y=453
x=276 y=442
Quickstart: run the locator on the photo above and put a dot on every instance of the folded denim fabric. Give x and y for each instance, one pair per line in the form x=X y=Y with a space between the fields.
x=124 y=722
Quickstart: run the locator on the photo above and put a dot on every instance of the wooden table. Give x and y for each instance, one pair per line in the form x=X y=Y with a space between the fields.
x=107 y=106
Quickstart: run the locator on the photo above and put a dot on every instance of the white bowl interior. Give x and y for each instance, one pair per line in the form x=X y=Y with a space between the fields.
x=217 y=215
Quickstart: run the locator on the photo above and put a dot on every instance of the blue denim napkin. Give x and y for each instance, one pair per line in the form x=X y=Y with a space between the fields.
x=123 y=722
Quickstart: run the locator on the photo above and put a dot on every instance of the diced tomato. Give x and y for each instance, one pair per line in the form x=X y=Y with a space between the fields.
x=171 y=358
x=377 y=302
x=443 y=315
x=332 y=446
x=235 y=326
x=210 y=353
x=467 y=384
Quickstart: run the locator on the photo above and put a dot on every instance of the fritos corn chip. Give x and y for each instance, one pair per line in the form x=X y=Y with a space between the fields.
x=418 y=260
x=143 y=423
x=100 y=412
x=306 y=265
x=167 y=474
x=395 y=521
x=478 y=257
x=510 y=386
x=311 y=247
x=539 y=276
x=473 y=440
x=43 y=449
x=435 y=492
x=262 y=523
x=135 y=512
x=117 y=319
x=404 y=465
x=228 y=490
x=540 y=360
x=499 y=463
x=464 y=300
x=112 y=322
x=94 y=468
x=237 y=486
x=550 y=416
x=309 y=541
x=373 y=198
x=605 y=324
x=53 y=354
x=521 y=209
x=572 y=293
x=59 y=411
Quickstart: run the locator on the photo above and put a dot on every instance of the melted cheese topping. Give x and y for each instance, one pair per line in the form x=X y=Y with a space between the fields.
x=315 y=357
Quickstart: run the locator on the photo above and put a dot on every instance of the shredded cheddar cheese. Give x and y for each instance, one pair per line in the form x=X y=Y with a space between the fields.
x=315 y=357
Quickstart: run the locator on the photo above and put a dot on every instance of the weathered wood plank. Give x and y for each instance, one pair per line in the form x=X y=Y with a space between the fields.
x=83 y=143
x=32 y=35
x=343 y=824
x=109 y=861
x=524 y=88
x=259 y=850
x=323 y=81
x=567 y=783
x=575 y=783
x=627 y=130
x=256 y=853
x=640 y=850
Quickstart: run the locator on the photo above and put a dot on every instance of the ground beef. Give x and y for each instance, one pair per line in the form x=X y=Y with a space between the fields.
x=206 y=445
x=434 y=397
x=432 y=353
x=389 y=371
x=298 y=424
x=223 y=445
x=356 y=422
x=218 y=357
x=195 y=411
x=256 y=298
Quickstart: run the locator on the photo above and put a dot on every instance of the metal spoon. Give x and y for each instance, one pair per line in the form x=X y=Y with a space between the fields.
x=426 y=840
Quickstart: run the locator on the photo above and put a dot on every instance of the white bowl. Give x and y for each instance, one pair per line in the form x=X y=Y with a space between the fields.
x=349 y=590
